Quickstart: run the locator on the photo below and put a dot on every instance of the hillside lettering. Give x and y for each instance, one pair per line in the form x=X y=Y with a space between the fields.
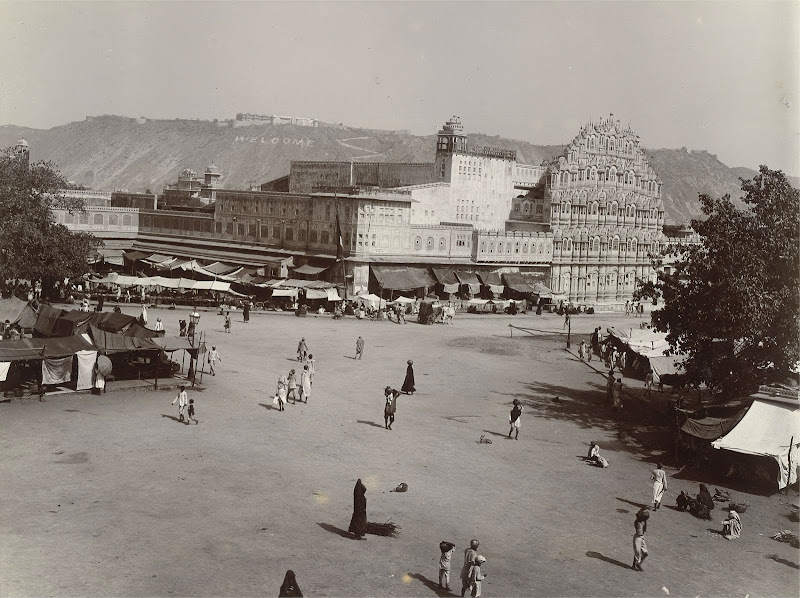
x=276 y=140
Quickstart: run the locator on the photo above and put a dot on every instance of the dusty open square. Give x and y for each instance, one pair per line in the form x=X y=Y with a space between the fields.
x=110 y=496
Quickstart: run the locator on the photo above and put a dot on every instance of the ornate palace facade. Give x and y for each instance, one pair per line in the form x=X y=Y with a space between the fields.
x=606 y=215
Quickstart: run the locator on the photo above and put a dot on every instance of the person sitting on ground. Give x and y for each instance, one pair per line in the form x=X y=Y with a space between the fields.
x=703 y=505
x=594 y=457
x=683 y=501
x=732 y=526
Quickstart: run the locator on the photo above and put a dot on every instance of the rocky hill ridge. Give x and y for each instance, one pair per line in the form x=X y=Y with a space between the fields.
x=138 y=154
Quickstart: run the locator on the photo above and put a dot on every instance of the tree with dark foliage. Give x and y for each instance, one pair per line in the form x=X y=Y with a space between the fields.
x=731 y=304
x=32 y=245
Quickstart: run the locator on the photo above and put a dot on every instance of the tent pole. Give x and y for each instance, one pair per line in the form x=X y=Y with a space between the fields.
x=158 y=363
x=789 y=469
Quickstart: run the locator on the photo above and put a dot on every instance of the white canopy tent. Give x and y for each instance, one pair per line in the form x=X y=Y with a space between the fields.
x=770 y=428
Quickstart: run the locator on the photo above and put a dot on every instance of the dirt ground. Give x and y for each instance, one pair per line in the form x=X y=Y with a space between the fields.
x=111 y=496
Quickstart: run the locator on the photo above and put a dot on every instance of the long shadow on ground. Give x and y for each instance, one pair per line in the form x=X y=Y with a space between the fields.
x=431 y=585
x=335 y=530
x=173 y=418
x=373 y=424
x=640 y=430
x=600 y=557
x=777 y=559
x=271 y=407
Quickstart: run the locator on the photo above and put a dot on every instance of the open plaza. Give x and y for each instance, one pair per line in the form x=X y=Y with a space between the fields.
x=110 y=495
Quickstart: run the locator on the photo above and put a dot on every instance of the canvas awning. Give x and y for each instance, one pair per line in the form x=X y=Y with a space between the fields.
x=402 y=278
x=446 y=277
x=46 y=319
x=221 y=268
x=172 y=343
x=768 y=429
x=284 y=292
x=373 y=301
x=316 y=294
x=666 y=364
x=309 y=269
x=111 y=321
x=543 y=291
x=71 y=322
x=403 y=300
x=516 y=282
x=38 y=348
x=333 y=295
x=109 y=343
x=491 y=278
x=469 y=279
x=135 y=256
x=711 y=428
x=16 y=311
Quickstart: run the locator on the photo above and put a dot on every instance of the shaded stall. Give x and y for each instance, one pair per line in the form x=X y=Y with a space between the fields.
x=31 y=363
x=448 y=284
x=769 y=429
x=493 y=284
x=402 y=278
x=16 y=312
x=470 y=285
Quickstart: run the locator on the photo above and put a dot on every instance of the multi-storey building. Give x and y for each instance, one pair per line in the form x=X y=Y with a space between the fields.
x=606 y=214
x=585 y=223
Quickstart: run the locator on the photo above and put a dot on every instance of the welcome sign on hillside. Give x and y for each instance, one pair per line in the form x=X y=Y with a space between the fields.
x=276 y=140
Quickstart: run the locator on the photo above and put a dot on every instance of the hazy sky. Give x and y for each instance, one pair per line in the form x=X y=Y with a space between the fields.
x=719 y=76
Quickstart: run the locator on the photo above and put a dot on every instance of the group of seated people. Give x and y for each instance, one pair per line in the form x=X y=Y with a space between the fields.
x=701 y=507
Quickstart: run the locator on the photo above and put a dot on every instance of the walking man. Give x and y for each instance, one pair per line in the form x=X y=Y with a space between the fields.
x=359 y=348
x=469 y=560
x=213 y=355
x=302 y=350
x=182 y=399
x=390 y=406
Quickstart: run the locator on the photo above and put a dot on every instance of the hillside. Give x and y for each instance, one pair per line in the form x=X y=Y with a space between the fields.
x=119 y=153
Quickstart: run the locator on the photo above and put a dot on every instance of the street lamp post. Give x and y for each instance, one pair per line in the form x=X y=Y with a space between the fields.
x=194 y=320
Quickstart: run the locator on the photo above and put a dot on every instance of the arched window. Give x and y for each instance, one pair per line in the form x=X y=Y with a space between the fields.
x=97 y=219
x=417 y=243
x=612 y=210
x=483 y=246
x=565 y=208
x=567 y=244
x=429 y=243
x=594 y=208
x=632 y=245
x=442 y=244
x=615 y=243
x=655 y=247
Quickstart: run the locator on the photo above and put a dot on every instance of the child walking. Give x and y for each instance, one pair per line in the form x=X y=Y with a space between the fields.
x=280 y=393
x=292 y=382
x=515 y=419
x=476 y=576
x=305 y=384
x=191 y=413
x=447 y=549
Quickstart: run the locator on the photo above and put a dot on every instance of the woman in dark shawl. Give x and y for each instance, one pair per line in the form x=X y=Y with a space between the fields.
x=408 y=383
x=358 y=523
x=289 y=586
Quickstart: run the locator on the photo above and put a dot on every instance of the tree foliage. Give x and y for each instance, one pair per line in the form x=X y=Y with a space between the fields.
x=732 y=303
x=32 y=245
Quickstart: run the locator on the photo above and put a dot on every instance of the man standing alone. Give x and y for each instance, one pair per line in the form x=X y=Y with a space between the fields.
x=359 y=348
